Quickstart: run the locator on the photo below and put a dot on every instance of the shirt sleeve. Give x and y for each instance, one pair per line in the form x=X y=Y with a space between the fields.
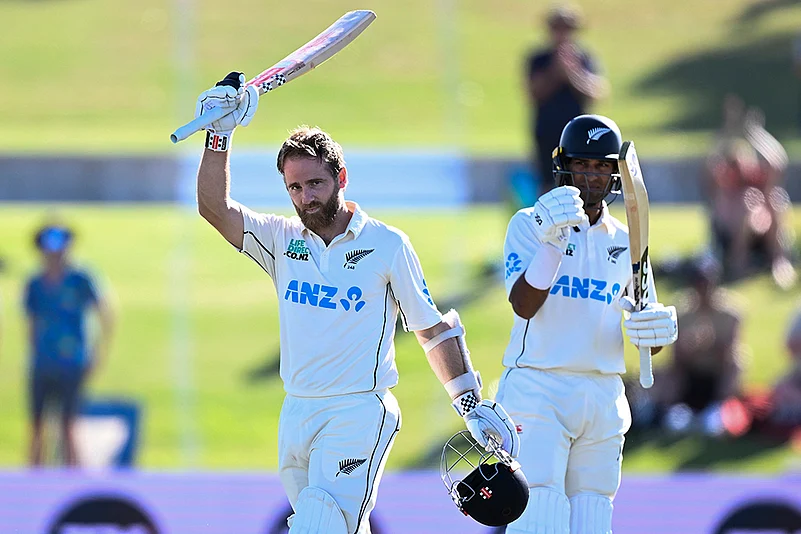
x=258 y=241
x=518 y=249
x=410 y=291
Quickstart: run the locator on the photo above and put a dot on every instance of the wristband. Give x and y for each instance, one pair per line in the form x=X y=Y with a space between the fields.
x=542 y=270
x=470 y=381
x=218 y=142
x=465 y=403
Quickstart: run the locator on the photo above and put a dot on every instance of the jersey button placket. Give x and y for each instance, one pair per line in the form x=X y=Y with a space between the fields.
x=591 y=244
x=324 y=260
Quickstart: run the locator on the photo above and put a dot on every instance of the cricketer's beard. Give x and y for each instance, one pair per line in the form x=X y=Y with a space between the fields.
x=325 y=215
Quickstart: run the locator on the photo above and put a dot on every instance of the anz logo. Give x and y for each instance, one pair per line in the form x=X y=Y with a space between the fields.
x=322 y=296
x=585 y=288
x=513 y=264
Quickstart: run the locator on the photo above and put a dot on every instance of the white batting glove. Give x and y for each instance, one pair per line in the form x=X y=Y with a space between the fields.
x=555 y=212
x=655 y=326
x=229 y=94
x=488 y=420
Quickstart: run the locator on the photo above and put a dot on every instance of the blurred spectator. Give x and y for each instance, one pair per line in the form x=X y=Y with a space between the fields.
x=562 y=81
x=748 y=205
x=57 y=302
x=705 y=370
x=787 y=392
x=776 y=414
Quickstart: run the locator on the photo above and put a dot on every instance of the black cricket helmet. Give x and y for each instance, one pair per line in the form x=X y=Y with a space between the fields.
x=494 y=492
x=588 y=137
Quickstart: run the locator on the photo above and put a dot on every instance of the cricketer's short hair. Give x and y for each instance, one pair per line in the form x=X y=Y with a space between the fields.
x=308 y=142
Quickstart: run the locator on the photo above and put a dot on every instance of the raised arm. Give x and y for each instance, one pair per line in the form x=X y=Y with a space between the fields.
x=213 y=197
x=535 y=242
x=214 y=175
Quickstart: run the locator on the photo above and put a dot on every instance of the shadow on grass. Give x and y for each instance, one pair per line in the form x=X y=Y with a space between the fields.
x=707 y=453
x=760 y=9
x=760 y=71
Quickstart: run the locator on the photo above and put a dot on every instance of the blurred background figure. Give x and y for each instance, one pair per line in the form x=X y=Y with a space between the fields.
x=58 y=300
x=705 y=370
x=785 y=416
x=562 y=82
x=748 y=205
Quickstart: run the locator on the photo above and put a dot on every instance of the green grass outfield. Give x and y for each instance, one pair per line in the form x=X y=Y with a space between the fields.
x=164 y=263
x=98 y=76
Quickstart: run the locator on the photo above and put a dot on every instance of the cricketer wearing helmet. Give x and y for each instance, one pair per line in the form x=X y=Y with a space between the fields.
x=342 y=278
x=567 y=271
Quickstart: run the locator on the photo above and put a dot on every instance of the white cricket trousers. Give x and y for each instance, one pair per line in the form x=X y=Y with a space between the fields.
x=571 y=428
x=339 y=444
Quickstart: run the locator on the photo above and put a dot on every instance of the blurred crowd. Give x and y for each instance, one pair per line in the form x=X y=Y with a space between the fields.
x=701 y=388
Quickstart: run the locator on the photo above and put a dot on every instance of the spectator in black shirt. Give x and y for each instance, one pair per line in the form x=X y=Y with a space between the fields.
x=562 y=82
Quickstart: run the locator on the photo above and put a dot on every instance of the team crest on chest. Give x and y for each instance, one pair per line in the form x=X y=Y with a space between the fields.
x=571 y=249
x=355 y=256
x=614 y=252
x=297 y=250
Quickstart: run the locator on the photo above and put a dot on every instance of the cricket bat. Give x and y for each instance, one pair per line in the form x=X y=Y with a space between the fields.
x=635 y=198
x=299 y=62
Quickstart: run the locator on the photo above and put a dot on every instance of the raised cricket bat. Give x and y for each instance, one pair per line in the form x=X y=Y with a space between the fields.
x=635 y=198
x=299 y=62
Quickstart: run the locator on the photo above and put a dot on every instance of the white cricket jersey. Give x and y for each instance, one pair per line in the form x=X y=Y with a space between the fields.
x=578 y=327
x=338 y=304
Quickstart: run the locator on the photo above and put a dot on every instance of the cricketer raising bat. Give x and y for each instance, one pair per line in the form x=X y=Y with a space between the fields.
x=635 y=198
x=299 y=62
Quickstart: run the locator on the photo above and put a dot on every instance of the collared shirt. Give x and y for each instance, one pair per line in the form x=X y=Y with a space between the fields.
x=578 y=328
x=338 y=304
x=58 y=316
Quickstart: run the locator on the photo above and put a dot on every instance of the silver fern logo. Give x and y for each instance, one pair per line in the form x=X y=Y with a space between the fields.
x=354 y=256
x=615 y=252
x=596 y=133
x=349 y=465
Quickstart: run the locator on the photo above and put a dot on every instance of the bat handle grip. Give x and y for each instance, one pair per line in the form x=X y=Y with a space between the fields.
x=646 y=368
x=199 y=123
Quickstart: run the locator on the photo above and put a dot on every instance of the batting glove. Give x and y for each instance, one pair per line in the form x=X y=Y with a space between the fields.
x=231 y=95
x=487 y=420
x=555 y=212
x=655 y=326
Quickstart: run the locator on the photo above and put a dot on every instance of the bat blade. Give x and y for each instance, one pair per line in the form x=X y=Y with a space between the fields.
x=635 y=198
x=315 y=52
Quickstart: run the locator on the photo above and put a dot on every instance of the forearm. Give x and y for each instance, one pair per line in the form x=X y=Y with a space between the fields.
x=531 y=290
x=449 y=358
x=588 y=84
x=445 y=359
x=526 y=300
x=105 y=332
x=213 y=185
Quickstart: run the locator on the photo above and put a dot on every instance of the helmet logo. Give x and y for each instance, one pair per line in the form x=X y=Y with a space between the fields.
x=486 y=493
x=596 y=133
